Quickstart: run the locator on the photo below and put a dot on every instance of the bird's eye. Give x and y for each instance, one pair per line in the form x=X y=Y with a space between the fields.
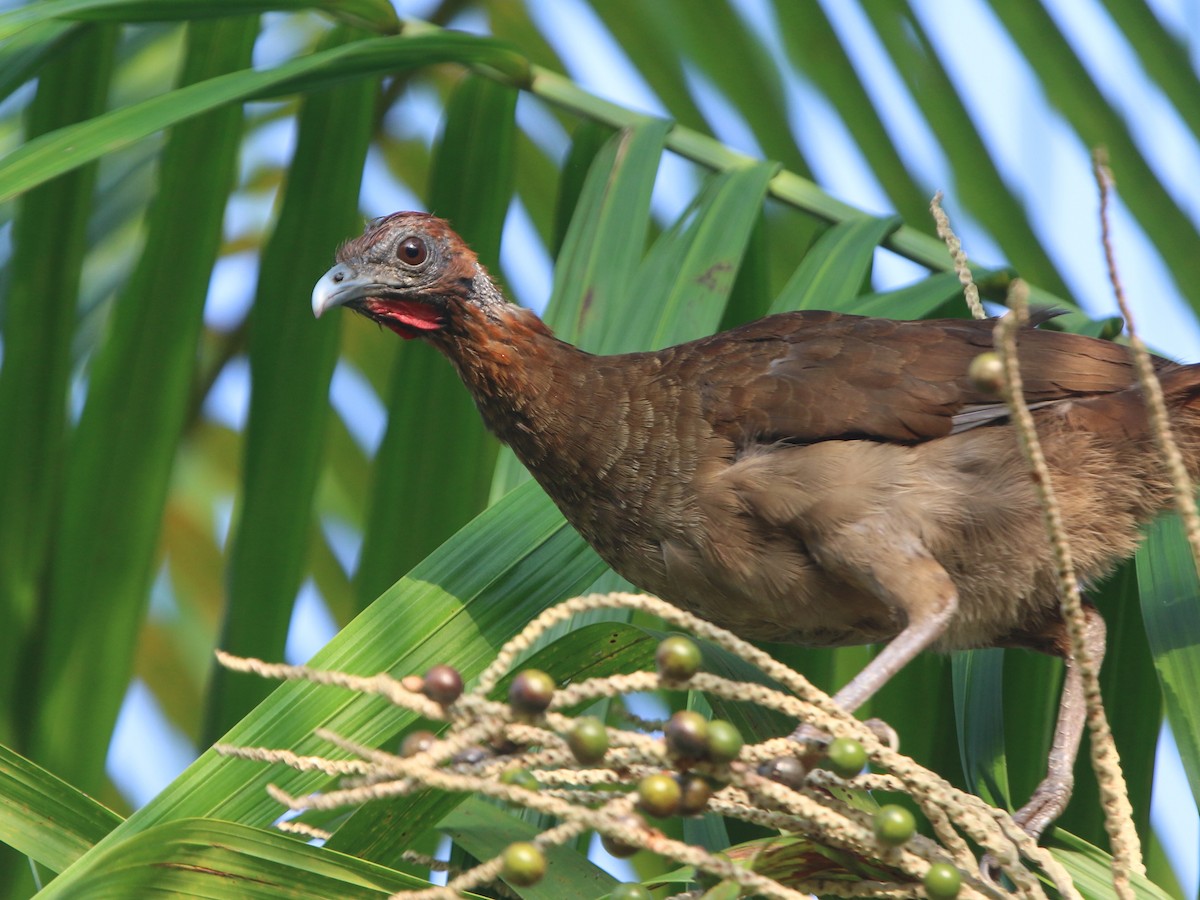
x=412 y=251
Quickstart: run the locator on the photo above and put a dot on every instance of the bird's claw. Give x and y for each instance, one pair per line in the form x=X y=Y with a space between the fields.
x=812 y=743
x=990 y=872
x=809 y=736
x=884 y=732
x=1046 y=805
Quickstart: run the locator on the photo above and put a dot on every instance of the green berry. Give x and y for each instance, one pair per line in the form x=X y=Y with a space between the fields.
x=677 y=658
x=687 y=734
x=442 y=684
x=695 y=793
x=588 y=740
x=524 y=864
x=519 y=777
x=417 y=742
x=531 y=691
x=894 y=824
x=846 y=756
x=724 y=741
x=659 y=795
x=942 y=881
x=630 y=891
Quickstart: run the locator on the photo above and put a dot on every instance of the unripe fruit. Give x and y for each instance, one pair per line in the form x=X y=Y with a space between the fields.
x=942 y=881
x=846 y=756
x=687 y=734
x=659 y=795
x=677 y=658
x=615 y=848
x=787 y=770
x=894 y=825
x=531 y=691
x=524 y=864
x=724 y=741
x=619 y=848
x=695 y=793
x=442 y=684
x=588 y=740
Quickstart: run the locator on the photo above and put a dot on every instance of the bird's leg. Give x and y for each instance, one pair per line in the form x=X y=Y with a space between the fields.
x=900 y=571
x=1052 y=795
x=917 y=636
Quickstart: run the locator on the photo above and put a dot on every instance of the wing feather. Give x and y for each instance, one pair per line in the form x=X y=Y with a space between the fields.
x=812 y=376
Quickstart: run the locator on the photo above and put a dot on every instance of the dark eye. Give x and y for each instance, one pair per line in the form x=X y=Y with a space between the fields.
x=412 y=251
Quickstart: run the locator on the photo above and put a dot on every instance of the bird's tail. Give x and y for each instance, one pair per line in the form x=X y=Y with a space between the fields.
x=1181 y=382
x=1121 y=418
x=1181 y=394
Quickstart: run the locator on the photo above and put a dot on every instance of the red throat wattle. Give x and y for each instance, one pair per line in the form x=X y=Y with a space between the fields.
x=406 y=318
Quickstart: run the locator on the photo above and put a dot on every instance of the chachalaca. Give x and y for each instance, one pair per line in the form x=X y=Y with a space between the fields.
x=810 y=477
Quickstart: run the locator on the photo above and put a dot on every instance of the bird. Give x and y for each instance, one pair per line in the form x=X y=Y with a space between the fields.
x=811 y=477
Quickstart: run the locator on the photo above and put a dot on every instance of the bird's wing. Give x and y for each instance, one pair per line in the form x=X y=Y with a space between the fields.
x=811 y=376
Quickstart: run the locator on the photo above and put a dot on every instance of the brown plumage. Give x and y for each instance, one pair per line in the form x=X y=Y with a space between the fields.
x=810 y=477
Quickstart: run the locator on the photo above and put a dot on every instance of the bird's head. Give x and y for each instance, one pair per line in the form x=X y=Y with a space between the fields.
x=408 y=271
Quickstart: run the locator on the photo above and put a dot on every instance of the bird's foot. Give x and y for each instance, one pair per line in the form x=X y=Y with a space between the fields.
x=809 y=735
x=990 y=872
x=885 y=733
x=1046 y=805
x=811 y=745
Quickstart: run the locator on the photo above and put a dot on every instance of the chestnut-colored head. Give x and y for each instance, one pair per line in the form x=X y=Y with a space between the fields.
x=408 y=271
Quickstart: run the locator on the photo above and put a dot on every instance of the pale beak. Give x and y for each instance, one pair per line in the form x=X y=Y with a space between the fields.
x=341 y=285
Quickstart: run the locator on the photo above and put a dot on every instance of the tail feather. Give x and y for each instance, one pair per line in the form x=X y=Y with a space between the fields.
x=1122 y=415
x=1181 y=384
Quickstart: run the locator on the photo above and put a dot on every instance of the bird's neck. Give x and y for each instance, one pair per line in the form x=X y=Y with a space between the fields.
x=529 y=386
x=581 y=424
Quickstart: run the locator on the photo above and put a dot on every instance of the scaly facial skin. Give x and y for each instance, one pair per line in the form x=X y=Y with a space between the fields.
x=399 y=273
